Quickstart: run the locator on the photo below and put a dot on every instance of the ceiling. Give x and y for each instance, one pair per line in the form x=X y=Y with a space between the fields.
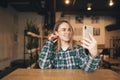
x=99 y=7
x=75 y=6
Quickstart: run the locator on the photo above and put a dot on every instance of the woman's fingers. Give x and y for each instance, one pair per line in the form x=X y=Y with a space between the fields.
x=55 y=40
x=92 y=38
x=90 y=44
x=84 y=46
x=53 y=37
x=85 y=43
x=87 y=40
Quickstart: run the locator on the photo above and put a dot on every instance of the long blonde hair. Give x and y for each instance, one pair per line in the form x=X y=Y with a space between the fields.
x=56 y=27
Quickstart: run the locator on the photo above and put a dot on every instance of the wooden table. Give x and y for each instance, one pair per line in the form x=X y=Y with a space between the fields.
x=55 y=74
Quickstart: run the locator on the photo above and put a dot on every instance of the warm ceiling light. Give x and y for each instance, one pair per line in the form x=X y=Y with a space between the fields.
x=111 y=3
x=67 y=1
x=89 y=6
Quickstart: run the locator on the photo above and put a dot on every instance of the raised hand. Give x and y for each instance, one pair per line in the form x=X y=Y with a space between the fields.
x=53 y=37
x=90 y=44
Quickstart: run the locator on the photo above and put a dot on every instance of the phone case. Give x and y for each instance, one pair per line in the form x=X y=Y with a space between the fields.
x=86 y=30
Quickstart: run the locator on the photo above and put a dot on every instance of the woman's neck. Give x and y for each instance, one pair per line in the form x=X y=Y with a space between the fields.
x=64 y=45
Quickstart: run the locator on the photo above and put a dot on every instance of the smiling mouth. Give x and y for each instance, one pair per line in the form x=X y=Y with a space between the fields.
x=66 y=36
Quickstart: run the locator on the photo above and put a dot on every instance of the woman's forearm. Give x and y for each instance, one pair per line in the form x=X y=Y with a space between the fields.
x=45 y=56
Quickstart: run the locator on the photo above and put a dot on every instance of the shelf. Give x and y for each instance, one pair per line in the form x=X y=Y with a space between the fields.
x=32 y=41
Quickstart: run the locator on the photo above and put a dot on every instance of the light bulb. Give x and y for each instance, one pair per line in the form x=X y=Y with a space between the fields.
x=67 y=1
x=89 y=6
x=111 y=3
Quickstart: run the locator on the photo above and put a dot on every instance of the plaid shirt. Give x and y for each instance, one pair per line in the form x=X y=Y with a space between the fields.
x=70 y=59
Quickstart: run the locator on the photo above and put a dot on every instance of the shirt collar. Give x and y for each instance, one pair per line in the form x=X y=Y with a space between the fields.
x=68 y=49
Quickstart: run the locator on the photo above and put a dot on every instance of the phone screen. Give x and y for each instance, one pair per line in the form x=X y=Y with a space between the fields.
x=86 y=30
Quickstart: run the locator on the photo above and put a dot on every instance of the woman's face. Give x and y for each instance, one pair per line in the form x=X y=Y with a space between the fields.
x=64 y=32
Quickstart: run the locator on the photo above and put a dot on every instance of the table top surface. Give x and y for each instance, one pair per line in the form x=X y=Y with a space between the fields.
x=61 y=74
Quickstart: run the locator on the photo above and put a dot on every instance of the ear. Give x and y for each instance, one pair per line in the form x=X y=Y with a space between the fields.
x=56 y=33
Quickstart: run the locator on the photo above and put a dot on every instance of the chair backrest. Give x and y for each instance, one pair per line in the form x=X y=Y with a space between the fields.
x=106 y=51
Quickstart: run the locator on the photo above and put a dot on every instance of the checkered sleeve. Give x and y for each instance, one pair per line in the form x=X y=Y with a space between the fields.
x=86 y=62
x=46 y=55
x=92 y=63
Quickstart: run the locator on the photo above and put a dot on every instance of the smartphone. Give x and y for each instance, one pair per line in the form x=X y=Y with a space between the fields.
x=86 y=30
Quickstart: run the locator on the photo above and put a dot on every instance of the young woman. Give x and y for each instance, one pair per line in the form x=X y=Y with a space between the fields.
x=61 y=52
